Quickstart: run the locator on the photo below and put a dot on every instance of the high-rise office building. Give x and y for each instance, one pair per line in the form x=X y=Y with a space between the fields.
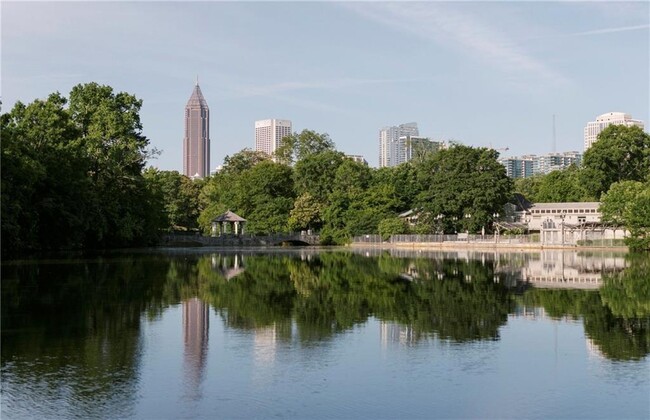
x=196 y=142
x=389 y=139
x=594 y=128
x=269 y=133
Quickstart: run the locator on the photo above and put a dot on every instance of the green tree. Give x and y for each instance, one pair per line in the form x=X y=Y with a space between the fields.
x=392 y=226
x=179 y=195
x=243 y=160
x=562 y=186
x=529 y=187
x=620 y=154
x=314 y=173
x=264 y=196
x=296 y=147
x=306 y=213
x=44 y=185
x=462 y=181
x=355 y=206
x=111 y=133
x=627 y=204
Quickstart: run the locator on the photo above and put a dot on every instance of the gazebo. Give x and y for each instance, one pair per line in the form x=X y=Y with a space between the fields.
x=228 y=222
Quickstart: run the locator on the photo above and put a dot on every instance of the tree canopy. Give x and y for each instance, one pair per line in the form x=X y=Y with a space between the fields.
x=462 y=181
x=621 y=153
x=72 y=172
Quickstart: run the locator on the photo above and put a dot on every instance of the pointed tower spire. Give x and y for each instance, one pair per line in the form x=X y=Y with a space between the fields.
x=197 y=79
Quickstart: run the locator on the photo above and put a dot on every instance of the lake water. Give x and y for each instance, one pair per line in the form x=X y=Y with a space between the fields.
x=355 y=333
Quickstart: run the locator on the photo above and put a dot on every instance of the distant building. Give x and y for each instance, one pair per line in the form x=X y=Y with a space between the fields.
x=196 y=142
x=541 y=214
x=529 y=165
x=357 y=158
x=519 y=167
x=553 y=161
x=594 y=128
x=269 y=133
x=388 y=142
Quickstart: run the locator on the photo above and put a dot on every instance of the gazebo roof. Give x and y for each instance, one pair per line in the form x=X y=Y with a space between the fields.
x=228 y=217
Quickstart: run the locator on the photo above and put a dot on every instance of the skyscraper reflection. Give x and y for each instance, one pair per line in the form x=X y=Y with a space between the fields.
x=196 y=324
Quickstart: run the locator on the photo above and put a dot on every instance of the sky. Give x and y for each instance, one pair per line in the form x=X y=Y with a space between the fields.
x=490 y=74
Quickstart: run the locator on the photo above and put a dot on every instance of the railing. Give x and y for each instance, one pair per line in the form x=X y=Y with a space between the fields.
x=458 y=238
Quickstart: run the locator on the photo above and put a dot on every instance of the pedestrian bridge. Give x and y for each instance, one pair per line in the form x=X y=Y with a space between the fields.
x=182 y=239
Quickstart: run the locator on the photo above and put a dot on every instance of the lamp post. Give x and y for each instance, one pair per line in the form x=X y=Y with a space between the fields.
x=496 y=227
x=468 y=216
x=454 y=219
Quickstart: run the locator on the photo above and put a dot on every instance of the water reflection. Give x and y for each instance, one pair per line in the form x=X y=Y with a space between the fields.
x=311 y=295
x=78 y=322
x=196 y=323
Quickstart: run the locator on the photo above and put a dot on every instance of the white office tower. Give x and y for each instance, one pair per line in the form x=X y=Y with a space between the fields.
x=269 y=133
x=594 y=128
x=389 y=140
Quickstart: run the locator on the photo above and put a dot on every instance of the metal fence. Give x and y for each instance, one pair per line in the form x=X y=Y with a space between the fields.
x=458 y=238
x=590 y=239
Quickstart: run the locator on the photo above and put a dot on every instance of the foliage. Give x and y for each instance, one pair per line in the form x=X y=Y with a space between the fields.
x=620 y=154
x=562 y=186
x=314 y=173
x=305 y=214
x=462 y=181
x=392 y=226
x=179 y=195
x=296 y=147
x=618 y=338
x=627 y=293
x=262 y=194
x=243 y=160
x=72 y=177
x=627 y=204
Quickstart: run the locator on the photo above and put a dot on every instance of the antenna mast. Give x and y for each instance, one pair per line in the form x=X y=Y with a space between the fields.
x=554 y=139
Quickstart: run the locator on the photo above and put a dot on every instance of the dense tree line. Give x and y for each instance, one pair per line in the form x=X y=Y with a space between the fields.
x=615 y=171
x=322 y=190
x=73 y=176
x=72 y=172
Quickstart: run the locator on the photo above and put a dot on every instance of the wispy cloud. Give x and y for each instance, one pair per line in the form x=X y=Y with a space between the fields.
x=467 y=33
x=607 y=30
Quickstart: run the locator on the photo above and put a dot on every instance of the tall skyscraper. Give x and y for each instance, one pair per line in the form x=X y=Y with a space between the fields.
x=594 y=128
x=389 y=139
x=196 y=142
x=269 y=133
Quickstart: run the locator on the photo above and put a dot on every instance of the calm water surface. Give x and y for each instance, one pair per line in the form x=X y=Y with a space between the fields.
x=327 y=334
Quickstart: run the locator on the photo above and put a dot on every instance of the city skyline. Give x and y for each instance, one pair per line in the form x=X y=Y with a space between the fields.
x=484 y=74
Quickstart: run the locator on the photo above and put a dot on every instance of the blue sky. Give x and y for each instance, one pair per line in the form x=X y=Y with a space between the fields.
x=482 y=73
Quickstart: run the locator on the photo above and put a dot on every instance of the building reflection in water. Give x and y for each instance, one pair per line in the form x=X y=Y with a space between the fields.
x=228 y=265
x=558 y=269
x=196 y=325
x=264 y=353
x=395 y=333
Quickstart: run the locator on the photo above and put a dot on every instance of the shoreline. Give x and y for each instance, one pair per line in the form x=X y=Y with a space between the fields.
x=484 y=246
